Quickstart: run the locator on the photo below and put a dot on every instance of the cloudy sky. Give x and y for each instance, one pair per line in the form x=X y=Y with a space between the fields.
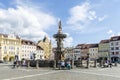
x=84 y=21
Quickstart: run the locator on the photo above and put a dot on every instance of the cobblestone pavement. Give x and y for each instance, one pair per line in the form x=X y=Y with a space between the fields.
x=7 y=73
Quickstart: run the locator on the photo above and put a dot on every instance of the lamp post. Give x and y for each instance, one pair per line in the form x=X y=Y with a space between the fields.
x=72 y=57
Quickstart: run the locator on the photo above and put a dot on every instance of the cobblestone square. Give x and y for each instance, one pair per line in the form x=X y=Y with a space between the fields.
x=7 y=73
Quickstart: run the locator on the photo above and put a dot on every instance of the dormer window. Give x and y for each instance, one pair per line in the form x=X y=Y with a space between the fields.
x=11 y=35
x=115 y=38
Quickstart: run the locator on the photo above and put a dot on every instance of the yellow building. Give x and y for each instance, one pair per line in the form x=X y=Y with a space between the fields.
x=93 y=51
x=47 y=46
x=10 y=45
x=104 y=49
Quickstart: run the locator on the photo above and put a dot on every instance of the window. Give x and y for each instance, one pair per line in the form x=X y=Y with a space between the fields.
x=112 y=53
x=117 y=43
x=117 y=48
x=111 y=44
x=5 y=47
x=5 y=52
x=117 y=53
x=112 y=48
x=40 y=56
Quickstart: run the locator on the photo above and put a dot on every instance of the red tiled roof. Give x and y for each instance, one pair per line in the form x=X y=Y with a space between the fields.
x=105 y=41
x=115 y=38
x=86 y=46
x=93 y=45
x=28 y=42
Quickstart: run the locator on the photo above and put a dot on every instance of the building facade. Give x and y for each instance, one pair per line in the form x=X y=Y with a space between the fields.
x=93 y=51
x=39 y=53
x=115 y=48
x=47 y=47
x=103 y=49
x=77 y=52
x=82 y=50
x=10 y=46
x=28 y=49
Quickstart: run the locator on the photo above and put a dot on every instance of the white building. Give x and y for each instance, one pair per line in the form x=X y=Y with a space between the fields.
x=28 y=48
x=115 y=48
x=77 y=52
x=39 y=53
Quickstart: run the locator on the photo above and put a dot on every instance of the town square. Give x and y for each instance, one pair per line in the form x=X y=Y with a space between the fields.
x=59 y=40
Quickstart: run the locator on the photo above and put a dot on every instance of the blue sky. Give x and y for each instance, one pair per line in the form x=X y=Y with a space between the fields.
x=84 y=21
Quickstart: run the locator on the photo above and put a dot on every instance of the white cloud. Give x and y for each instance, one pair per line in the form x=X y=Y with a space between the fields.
x=110 y=32
x=28 y=22
x=102 y=18
x=68 y=41
x=119 y=33
x=81 y=15
x=92 y=15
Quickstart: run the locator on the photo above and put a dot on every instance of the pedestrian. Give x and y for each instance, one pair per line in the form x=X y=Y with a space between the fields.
x=24 y=62
x=68 y=65
x=110 y=64
x=62 y=64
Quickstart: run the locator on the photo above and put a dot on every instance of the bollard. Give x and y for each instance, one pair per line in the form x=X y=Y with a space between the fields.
x=81 y=63
x=115 y=63
x=28 y=63
x=37 y=64
x=54 y=64
x=95 y=63
x=100 y=63
x=87 y=66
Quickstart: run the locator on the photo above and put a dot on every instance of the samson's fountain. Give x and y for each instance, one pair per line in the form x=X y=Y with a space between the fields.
x=59 y=52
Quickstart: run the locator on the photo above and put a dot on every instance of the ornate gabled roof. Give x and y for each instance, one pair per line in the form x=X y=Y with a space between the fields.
x=6 y=35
